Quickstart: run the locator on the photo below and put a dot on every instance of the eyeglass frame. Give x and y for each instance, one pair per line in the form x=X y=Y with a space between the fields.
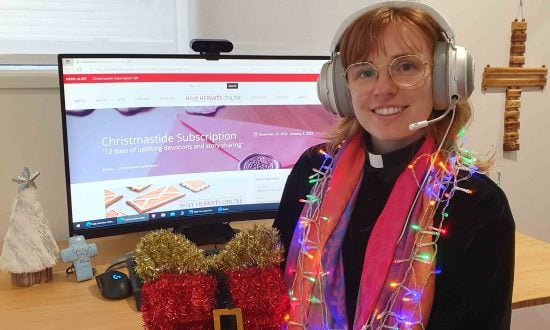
x=424 y=63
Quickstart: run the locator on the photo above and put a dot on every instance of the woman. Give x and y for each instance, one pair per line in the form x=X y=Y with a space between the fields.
x=395 y=228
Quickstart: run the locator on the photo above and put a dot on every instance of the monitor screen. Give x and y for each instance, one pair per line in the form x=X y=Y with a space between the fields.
x=157 y=141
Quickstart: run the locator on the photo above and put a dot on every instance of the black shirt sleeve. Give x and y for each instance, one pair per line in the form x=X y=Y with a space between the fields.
x=296 y=187
x=476 y=258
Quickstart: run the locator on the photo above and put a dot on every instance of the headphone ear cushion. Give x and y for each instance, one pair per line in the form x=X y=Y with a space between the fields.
x=332 y=90
x=453 y=74
x=323 y=91
x=440 y=76
x=466 y=74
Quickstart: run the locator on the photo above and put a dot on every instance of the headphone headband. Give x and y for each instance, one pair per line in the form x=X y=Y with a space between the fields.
x=443 y=24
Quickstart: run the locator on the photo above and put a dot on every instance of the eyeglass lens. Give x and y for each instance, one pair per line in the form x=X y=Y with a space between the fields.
x=406 y=71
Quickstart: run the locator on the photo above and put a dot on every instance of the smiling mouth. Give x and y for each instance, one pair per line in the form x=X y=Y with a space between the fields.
x=388 y=111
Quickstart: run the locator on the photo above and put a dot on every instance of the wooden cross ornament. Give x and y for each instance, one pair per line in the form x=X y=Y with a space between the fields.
x=514 y=77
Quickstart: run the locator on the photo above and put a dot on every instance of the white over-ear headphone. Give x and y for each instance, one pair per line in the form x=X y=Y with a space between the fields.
x=453 y=70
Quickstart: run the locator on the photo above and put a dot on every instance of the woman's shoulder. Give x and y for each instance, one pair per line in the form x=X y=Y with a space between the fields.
x=483 y=186
x=313 y=156
x=482 y=199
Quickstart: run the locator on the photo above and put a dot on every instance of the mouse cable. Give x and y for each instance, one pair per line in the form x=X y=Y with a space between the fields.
x=116 y=265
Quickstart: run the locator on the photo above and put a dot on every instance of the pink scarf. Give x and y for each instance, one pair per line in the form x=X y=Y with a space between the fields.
x=314 y=271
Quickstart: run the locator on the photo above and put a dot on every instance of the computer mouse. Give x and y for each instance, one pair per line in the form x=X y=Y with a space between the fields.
x=114 y=285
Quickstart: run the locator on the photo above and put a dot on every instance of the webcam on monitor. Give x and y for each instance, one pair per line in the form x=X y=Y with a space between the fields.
x=211 y=48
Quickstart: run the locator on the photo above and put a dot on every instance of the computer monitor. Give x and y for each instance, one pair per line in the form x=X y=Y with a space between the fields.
x=159 y=141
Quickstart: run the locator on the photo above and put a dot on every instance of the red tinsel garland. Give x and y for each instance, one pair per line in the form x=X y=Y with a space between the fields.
x=179 y=302
x=261 y=295
x=186 y=301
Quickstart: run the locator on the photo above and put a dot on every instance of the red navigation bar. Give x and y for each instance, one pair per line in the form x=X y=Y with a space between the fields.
x=187 y=77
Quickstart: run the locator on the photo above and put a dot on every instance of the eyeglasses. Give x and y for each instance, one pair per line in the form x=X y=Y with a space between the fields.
x=406 y=71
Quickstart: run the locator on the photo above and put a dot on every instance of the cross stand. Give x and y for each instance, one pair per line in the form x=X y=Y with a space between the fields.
x=514 y=78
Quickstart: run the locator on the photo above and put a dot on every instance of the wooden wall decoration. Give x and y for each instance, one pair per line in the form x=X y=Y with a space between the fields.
x=513 y=78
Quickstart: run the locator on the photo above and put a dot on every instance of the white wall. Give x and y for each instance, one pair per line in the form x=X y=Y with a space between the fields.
x=30 y=127
x=30 y=135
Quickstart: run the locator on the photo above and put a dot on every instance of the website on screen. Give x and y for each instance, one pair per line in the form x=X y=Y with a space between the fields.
x=151 y=138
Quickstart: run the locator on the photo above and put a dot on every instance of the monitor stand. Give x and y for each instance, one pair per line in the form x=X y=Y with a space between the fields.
x=217 y=233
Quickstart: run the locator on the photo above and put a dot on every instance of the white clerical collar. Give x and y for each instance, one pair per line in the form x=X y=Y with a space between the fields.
x=376 y=161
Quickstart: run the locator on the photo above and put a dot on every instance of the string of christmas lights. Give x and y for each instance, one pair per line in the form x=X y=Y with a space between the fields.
x=403 y=309
x=309 y=248
x=438 y=189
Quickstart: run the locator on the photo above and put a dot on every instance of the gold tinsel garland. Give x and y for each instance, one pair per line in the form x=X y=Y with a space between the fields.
x=163 y=251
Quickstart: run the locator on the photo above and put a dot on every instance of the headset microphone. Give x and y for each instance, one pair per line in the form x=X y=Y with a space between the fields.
x=424 y=123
